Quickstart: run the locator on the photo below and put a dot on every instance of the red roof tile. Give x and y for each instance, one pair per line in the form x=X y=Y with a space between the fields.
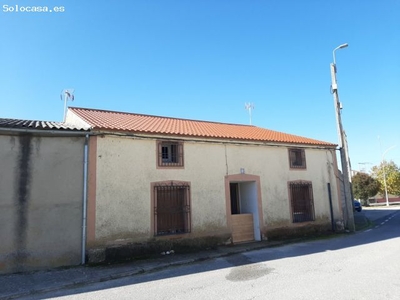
x=138 y=123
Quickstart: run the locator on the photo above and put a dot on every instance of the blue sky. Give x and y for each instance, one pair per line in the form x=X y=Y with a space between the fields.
x=204 y=59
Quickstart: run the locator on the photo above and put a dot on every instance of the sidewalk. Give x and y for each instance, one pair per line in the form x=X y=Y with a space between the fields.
x=24 y=284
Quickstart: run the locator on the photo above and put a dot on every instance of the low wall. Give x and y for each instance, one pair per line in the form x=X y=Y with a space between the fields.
x=40 y=201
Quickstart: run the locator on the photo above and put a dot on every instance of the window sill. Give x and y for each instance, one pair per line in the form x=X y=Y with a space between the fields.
x=177 y=166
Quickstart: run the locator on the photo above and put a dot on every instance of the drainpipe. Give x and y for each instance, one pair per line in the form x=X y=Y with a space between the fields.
x=331 y=206
x=85 y=175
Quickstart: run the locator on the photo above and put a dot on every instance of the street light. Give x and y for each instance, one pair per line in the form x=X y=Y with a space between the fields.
x=337 y=48
x=344 y=156
x=384 y=171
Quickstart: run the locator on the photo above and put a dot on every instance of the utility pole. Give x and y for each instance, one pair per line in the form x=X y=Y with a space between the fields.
x=343 y=149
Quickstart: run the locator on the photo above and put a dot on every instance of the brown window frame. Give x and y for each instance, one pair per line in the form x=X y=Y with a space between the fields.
x=170 y=154
x=301 y=201
x=171 y=208
x=297 y=158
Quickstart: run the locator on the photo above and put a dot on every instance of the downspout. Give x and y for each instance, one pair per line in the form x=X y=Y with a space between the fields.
x=84 y=217
x=331 y=206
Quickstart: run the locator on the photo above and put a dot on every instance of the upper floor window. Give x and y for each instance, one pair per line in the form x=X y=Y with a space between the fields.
x=170 y=154
x=297 y=158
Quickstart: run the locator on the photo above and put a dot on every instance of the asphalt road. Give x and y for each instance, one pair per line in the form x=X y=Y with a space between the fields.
x=365 y=265
x=379 y=212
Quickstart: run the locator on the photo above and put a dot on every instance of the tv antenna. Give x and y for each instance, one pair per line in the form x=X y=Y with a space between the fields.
x=249 y=107
x=67 y=94
x=364 y=164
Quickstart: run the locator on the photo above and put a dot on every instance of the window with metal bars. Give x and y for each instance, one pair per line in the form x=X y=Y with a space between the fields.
x=302 y=202
x=172 y=208
x=169 y=154
x=297 y=158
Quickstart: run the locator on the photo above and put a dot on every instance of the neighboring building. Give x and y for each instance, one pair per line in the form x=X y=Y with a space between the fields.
x=41 y=194
x=155 y=179
x=380 y=199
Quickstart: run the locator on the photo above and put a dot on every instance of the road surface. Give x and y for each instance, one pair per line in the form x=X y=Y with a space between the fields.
x=365 y=265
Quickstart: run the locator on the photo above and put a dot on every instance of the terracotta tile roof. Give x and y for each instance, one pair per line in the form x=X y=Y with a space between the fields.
x=39 y=125
x=138 y=123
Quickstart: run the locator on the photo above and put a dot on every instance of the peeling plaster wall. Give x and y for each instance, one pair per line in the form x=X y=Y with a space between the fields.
x=41 y=194
x=126 y=166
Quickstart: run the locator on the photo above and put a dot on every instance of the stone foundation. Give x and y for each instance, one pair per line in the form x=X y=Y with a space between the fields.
x=299 y=231
x=152 y=248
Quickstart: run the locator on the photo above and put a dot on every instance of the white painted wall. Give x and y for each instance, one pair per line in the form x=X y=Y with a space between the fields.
x=126 y=167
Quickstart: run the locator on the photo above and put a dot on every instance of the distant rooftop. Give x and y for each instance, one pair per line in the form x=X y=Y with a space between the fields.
x=38 y=125
x=103 y=120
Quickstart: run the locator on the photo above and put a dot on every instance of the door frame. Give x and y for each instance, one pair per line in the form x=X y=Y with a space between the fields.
x=242 y=178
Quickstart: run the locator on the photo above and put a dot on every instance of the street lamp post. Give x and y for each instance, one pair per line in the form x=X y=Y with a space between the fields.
x=384 y=182
x=344 y=156
x=384 y=171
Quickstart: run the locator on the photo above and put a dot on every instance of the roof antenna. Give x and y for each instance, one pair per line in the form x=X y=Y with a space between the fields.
x=67 y=94
x=249 y=106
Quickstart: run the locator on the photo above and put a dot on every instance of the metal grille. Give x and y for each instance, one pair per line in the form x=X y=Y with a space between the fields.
x=297 y=158
x=302 y=202
x=172 y=209
x=170 y=154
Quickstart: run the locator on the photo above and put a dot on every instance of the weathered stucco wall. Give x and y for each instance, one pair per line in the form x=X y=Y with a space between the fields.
x=272 y=165
x=40 y=201
x=126 y=166
x=125 y=169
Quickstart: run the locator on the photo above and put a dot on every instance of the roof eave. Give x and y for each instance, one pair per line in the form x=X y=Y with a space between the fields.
x=158 y=135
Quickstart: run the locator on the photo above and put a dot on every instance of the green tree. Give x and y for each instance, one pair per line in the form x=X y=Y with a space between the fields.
x=392 y=174
x=364 y=186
